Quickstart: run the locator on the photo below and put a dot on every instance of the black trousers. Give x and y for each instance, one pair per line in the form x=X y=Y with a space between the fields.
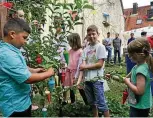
x=117 y=53
x=134 y=112
x=26 y=113
x=82 y=93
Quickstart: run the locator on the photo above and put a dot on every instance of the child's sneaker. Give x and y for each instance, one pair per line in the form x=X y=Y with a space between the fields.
x=34 y=107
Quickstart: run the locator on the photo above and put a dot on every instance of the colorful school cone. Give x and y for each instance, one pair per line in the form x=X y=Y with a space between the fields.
x=57 y=80
x=48 y=95
x=44 y=112
x=51 y=83
x=66 y=56
x=124 y=97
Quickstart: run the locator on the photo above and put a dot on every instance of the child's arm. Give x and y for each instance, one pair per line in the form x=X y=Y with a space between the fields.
x=36 y=70
x=95 y=66
x=36 y=77
x=80 y=77
x=128 y=75
x=139 y=88
x=80 y=74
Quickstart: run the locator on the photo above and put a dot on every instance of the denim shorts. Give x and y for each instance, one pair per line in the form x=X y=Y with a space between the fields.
x=95 y=95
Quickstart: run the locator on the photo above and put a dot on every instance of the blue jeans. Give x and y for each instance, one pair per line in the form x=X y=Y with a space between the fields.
x=117 y=53
x=109 y=56
x=95 y=95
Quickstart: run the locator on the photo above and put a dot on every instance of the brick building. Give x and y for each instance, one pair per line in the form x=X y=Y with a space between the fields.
x=138 y=17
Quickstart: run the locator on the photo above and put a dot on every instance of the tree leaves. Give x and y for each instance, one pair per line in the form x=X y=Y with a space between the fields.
x=78 y=23
x=87 y=6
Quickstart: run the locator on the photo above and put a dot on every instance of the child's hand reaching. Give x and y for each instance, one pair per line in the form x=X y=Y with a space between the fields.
x=74 y=80
x=108 y=76
x=126 y=80
x=82 y=67
x=78 y=85
x=39 y=70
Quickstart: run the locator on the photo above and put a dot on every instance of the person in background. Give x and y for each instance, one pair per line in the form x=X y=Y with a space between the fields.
x=107 y=43
x=15 y=76
x=144 y=34
x=117 y=48
x=131 y=39
x=128 y=60
x=150 y=40
x=85 y=42
x=138 y=80
x=92 y=67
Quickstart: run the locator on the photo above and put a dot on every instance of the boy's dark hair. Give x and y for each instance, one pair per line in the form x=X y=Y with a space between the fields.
x=143 y=33
x=108 y=32
x=93 y=28
x=17 y=25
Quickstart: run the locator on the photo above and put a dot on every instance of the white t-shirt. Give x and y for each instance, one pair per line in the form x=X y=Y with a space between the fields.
x=91 y=55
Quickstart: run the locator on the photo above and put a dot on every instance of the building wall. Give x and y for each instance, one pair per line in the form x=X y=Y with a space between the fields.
x=3 y=17
x=131 y=19
x=116 y=19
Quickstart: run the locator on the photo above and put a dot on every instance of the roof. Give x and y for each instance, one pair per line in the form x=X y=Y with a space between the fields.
x=131 y=19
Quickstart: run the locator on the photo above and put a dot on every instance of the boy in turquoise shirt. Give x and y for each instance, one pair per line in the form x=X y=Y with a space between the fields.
x=15 y=76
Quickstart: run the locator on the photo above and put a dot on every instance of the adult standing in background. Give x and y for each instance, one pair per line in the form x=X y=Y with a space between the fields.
x=131 y=39
x=129 y=63
x=107 y=43
x=144 y=34
x=150 y=39
x=117 y=48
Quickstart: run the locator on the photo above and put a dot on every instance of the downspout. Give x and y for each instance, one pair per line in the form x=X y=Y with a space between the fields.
x=83 y=30
x=122 y=6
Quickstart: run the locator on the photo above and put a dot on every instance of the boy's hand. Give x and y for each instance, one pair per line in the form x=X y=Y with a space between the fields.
x=74 y=80
x=82 y=67
x=78 y=85
x=39 y=70
x=108 y=76
x=51 y=71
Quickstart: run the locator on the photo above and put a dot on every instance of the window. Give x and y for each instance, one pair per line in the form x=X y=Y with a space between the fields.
x=150 y=15
x=139 y=21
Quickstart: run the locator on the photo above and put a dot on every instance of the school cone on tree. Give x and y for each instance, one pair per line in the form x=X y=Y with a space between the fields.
x=48 y=95
x=44 y=112
x=63 y=76
x=66 y=56
x=124 y=97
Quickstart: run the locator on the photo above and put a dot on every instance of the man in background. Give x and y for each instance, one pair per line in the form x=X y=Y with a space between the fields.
x=107 y=43
x=117 y=48
x=143 y=34
x=132 y=38
x=150 y=39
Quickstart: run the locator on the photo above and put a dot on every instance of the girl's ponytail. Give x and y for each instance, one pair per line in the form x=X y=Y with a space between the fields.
x=150 y=62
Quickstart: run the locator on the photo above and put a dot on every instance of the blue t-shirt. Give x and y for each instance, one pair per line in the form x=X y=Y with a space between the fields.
x=14 y=92
x=129 y=40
